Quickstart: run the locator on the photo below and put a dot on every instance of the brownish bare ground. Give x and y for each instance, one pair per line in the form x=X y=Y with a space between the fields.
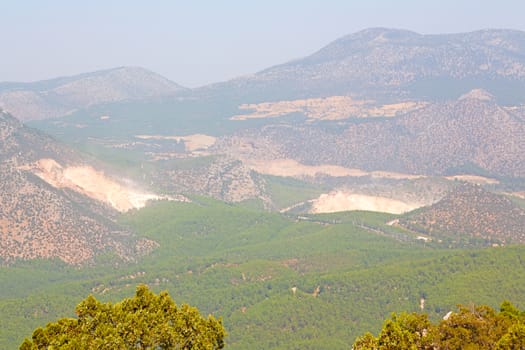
x=292 y=168
x=39 y=221
x=518 y=194
x=329 y=108
x=474 y=179
x=469 y=211
x=191 y=142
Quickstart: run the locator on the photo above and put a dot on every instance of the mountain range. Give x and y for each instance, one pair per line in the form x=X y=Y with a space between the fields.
x=368 y=115
x=380 y=63
x=383 y=173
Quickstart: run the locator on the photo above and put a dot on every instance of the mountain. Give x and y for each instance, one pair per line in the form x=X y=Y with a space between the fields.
x=468 y=213
x=375 y=104
x=379 y=63
x=388 y=64
x=46 y=213
x=469 y=134
x=61 y=96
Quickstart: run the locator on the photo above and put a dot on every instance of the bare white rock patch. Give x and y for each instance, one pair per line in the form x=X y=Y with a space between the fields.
x=94 y=184
x=342 y=201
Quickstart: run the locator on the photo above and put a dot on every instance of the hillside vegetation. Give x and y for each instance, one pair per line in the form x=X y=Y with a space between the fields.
x=470 y=214
x=277 y=281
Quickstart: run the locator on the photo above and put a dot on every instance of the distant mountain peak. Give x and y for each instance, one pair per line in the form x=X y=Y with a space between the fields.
x=376 y=36
x=391 y=63
x=477 y=94
x=382 y=32
x=362 y=40
x=60 y=96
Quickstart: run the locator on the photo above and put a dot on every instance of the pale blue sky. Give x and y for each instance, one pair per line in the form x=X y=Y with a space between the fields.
x=195 y=42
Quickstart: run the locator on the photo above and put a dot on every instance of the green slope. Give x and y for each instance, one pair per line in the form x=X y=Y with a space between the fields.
x=245 y=265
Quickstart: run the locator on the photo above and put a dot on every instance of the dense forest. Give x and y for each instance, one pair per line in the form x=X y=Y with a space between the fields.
x=278 y=281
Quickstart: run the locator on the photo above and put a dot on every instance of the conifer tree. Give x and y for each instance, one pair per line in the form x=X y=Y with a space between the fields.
x=146 y=321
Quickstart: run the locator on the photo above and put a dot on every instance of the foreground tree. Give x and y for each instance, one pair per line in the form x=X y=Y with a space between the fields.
x=471 y=327
x=403 y=331
x=146 y=321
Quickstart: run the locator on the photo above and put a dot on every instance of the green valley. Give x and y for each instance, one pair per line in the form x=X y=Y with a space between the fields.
x=278 y=281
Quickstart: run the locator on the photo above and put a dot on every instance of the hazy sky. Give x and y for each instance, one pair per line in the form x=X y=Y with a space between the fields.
x=195 y=42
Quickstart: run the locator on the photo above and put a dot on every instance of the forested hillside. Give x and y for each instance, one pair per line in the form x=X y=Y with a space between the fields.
x=277 y=281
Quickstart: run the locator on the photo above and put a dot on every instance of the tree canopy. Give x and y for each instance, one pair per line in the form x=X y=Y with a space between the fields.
x=471 y=327
x=146 y=321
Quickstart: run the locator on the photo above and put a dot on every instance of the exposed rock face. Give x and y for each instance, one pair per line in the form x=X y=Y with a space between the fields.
x=222 y=178
x=58 y=97
x=40 y=219
x=40 y=222
x=94 y=184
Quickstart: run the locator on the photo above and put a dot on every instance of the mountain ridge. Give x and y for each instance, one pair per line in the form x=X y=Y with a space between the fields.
x=60 y=96
x=50 y=83
x=389 y=64
x=383 y=63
